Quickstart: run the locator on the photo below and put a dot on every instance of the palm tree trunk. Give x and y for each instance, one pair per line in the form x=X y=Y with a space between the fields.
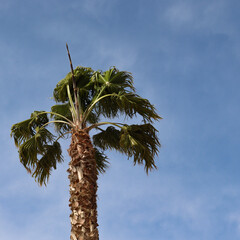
x=83 y=187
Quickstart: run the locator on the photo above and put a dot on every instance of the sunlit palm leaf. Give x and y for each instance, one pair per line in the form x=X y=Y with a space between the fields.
x=116 y=80
x=111 y=81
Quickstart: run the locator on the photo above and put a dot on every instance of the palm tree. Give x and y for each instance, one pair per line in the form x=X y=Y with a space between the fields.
x=83 y=98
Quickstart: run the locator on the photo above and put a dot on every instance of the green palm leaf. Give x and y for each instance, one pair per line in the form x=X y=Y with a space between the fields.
x=137 y=141
x=114 y=80
x=28 y=152
x=64 y=110
x=52 y=155
x=39 y=118
x=141 y=142
x=35 y=145
x=126 y=103
x=82 y=76
x=21 y=132
x=108 y=139
x=24 y=130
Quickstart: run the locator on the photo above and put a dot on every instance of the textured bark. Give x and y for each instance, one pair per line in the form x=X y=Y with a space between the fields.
x=83 y=187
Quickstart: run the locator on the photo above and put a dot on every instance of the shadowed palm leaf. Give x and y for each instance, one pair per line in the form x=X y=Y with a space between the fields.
x=139 y=141
x=52 y=155
x=83 y=78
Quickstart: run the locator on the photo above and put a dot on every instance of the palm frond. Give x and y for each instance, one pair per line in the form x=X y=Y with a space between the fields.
x=108 y=139
x=51 y=156
x=82 y=76
x=132 y=104
x=63 y=109
x=141 y=143
x=111 y=81
x=137 y=141
x=42 y=143
x=21 y=132
x=26 y=129
x=118 y=80
x=93 y=117
x=128 y=104
x=33 y=146
x=39 y=118
x=28 y=153
x=43 y=136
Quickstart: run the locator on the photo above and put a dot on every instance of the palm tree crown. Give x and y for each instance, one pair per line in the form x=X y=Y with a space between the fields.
x=83 y=98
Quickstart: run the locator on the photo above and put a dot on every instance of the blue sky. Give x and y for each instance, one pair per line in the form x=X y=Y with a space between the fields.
x=185 y=58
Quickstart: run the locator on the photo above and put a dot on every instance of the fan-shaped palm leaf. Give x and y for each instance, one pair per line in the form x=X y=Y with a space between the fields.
x=82 y=76
x=33 y=146
x=114 y=81
x=24 y=130
x=124 y=103
x=62 y=109
x=141 y=142
x=52 y=155
x=108 y=139
x=138 y=141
